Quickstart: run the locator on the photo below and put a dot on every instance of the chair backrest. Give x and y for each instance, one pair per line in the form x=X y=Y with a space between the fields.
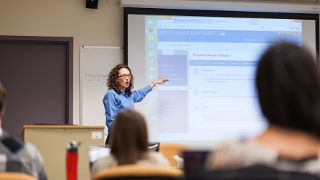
x=15 y=176
x=171 y=149
x=134 y=171
x=255 y=172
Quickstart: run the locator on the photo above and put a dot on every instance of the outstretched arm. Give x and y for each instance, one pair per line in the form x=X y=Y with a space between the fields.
x=139 y=94
x=160 y=80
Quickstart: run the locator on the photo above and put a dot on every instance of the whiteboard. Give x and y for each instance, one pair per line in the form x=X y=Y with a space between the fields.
x=95 y=64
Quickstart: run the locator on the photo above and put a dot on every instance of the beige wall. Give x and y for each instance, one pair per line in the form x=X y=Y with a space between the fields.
x=66 y=18
x=102 y=26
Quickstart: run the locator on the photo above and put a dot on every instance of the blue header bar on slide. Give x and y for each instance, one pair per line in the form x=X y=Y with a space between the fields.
x=199 y=35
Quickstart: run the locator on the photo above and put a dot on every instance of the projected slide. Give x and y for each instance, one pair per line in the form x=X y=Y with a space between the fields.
x=210 y=63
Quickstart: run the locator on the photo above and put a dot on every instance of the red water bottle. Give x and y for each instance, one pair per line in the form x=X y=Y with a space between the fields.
x=72 y=160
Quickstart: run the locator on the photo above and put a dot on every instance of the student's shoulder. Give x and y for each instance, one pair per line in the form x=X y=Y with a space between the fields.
x=157 y=158
x=104 y=163
x=31 y=150
x=240 y=153
x=110 y=159
x=11 y=143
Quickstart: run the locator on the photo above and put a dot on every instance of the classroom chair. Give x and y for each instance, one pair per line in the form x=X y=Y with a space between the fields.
x=140 y=172
x=255 y=172
x=15 y=176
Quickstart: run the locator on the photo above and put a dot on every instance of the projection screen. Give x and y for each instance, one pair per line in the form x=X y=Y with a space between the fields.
x=210 y=59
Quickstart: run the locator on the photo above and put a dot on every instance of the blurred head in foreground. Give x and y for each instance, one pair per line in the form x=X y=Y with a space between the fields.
x=129 y=138
x=288 y=87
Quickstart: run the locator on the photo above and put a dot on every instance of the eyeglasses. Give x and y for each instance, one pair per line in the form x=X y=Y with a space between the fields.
x=126 y=76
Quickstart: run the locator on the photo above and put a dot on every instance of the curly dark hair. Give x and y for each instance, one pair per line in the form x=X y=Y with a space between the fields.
x=112 y=82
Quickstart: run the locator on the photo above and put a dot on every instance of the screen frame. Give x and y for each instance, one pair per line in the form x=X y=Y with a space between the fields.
x=217 y=13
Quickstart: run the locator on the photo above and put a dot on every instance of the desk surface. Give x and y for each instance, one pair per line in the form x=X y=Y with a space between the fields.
x=52 y=140
x=63 y=126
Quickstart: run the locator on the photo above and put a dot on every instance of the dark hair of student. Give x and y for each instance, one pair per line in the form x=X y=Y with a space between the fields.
x=288 y=87
x=129 y=138
x=112 y=81
x=3 y=96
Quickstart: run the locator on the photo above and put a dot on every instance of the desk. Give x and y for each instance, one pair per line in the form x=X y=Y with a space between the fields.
x=51 y=141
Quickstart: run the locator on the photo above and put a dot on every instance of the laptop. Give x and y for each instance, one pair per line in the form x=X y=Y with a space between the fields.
x=194 y=161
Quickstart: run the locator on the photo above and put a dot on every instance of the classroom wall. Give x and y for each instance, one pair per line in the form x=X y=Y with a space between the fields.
x=102 y=26
x=66 y=18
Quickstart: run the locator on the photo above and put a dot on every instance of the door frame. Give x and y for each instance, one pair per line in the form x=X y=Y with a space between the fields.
x=68 y=41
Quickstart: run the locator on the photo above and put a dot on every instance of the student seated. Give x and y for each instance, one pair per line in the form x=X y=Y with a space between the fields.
x=129 y=144
x=19 y=156
x=288 y=87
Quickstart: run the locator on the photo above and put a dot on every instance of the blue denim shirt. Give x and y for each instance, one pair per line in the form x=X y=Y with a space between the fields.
x=114 y=102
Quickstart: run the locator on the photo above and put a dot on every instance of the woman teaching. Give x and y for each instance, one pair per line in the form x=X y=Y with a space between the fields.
x=120 y=95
